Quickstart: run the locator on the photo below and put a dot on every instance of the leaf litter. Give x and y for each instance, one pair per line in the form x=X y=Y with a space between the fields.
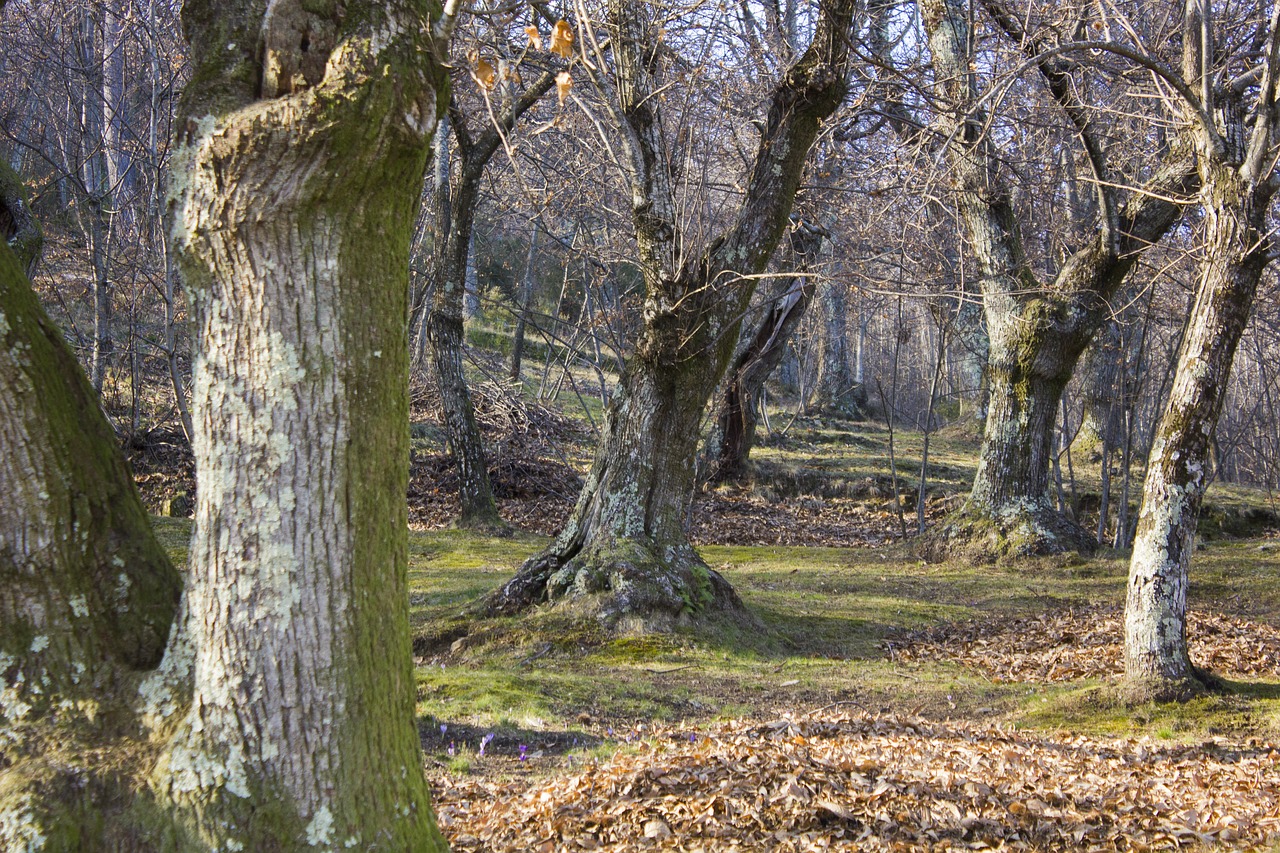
x=1083 y=642
x=857 y=781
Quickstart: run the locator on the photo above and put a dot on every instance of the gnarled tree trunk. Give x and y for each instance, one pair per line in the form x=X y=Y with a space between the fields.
x=1036 y=331
x=302 y=145
x=87 y=594
x=625 y=548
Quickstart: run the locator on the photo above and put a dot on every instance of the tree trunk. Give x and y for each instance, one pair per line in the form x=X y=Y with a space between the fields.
x=735 y=428
x=452 y=287
x=526 y=304
x=1236 y=199
x=88 y=593
x=625 y=548
x=1036 y=332
x=293 y=192
x=446 y=330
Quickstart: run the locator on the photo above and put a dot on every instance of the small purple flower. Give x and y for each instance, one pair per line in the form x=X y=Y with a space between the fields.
x=693 y=738
x=523 y=749
x=443 y=728
x=452 y=749
x=609 y=731
x=484 y=742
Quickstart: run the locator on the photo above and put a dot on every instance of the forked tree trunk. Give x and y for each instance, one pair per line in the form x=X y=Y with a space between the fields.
x=625 y=550
x=1037 y=331
x=445 y=322
x=87 y=595
x=291 y=207
x=1237 y=171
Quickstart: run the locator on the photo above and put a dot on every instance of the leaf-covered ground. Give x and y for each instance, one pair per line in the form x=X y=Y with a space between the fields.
x=878 y=782
x=1084 y=642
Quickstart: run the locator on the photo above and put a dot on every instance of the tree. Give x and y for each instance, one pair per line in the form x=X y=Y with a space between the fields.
x=89 y=594
x=446 y=287
x=1037 y=330
x=625 y=547
x=1236 y=156
x=734 y=432
x=303 y=138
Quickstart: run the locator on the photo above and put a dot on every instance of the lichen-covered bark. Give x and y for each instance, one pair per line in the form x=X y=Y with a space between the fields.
x=87 y=595
x=292 y=195
x=1238 y=184
x=1037 y=331
x=626 y=546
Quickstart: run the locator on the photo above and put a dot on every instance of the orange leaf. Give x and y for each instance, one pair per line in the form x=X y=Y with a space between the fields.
x=562 y=40
x=535 y=37
x=484 y=73
x=563 y=84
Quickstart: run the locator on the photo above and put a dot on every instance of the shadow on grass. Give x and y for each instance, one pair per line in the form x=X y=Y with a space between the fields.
x=1252 y=689
x=439 y=736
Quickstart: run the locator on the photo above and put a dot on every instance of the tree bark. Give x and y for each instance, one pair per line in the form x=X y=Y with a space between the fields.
x=302 y=145
x=87 y=594
x=445 y=323
x=1037 y=332
x=735 y=428
x=1238 y=182
x=625 y=547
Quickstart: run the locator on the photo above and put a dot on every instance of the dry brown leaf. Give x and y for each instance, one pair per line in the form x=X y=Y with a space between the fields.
x=752 y=787
x=562 y=39
x=484 y=74
x=563 y=84
x=535 y=37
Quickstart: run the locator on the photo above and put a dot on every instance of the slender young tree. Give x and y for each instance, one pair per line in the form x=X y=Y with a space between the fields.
x=1236 y=157
x=302 y=142
x=447 y=288
x=625 y=548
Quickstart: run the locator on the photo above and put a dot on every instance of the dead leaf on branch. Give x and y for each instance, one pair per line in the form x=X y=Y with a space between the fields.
x=484 y=74
x=562 y=40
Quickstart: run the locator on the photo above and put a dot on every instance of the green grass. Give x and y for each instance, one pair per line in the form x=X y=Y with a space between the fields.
x=556 y=684
x=826 y=613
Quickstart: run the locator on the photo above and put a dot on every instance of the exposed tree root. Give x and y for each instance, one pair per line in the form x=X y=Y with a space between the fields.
x=628 y=586
x=1021 y=530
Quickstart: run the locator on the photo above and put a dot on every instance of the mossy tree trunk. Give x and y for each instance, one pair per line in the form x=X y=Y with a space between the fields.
x=626 y=547
x=1037 y=331
x=302 y=143
x=87 y=595
x=734 y=432
x=445 y=318
x=1238 y=182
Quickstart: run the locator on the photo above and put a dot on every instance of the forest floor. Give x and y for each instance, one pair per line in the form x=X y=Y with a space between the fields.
x=888 y=703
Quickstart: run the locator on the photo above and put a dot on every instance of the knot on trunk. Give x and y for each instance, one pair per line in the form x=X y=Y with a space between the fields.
x=296 y=44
